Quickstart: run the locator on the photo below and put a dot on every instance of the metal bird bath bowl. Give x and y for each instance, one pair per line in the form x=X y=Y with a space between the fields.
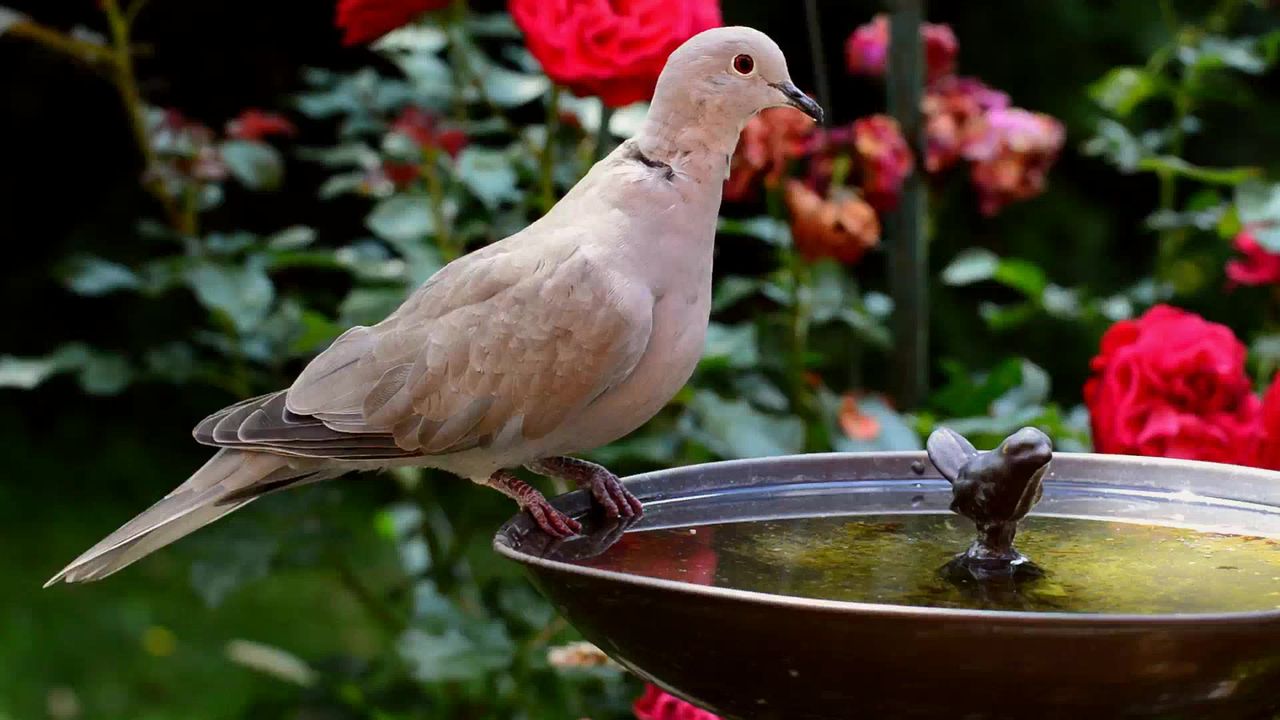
x=838 y=585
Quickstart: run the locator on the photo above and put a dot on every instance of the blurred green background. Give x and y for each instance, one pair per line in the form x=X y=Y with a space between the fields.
x=328 y=574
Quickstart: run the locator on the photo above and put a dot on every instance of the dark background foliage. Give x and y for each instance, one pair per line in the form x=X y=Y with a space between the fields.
x=143 y=645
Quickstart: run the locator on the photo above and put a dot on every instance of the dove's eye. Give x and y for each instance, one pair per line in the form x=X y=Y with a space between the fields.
x=743 y=64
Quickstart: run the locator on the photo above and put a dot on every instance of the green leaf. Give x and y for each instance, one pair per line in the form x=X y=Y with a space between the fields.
x=894 y=432
x=93 y=276
x=1032 y=391
x=495 y=25
x=1124 y=88
x=731 y=346
x=1181 y=168
x=1006 y=317
x=508 y=88
x=368 y=306
x=401 y=218
x=8 y=18
x=1258 y=205
x=413 y=38
x=1021 y=275
x=292 y=238
x=28 y=373
x=1114 y=143
x=735 y=429
x=1215 y=51
x=488 y=174
x=770 y=230
x=732 y=290
x=971 y=266
x=243 y=293
x=257 y=165
x=105 y=374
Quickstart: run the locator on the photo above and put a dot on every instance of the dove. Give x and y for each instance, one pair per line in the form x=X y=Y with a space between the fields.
x=559 y=339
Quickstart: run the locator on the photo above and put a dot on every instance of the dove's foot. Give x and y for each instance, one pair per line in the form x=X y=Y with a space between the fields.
x=552 y=521
x=605 y=487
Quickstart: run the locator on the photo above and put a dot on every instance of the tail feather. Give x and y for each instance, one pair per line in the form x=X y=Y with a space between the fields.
x=224 y=484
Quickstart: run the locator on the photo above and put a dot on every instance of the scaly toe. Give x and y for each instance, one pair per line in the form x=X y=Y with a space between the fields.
x=552 y=521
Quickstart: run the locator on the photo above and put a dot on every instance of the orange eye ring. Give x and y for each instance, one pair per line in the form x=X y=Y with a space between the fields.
x=743 y=64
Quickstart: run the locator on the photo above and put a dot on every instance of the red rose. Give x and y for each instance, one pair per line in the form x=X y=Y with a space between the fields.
x=1172 y=384
x=423 y=128
x=867 y=49
x=884 y=157
x=1256 y=266
x=1269 y=450
x=658 y=705
x=364 y=21
x=609 y=49
x=253 y=124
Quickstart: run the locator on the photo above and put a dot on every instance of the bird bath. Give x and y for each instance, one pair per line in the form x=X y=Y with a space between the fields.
x=838 y=585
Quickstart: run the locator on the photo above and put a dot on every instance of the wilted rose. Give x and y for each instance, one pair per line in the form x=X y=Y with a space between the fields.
x=842 y=229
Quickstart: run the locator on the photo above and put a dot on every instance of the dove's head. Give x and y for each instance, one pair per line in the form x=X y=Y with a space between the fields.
x=735 y=71
x=715 y=82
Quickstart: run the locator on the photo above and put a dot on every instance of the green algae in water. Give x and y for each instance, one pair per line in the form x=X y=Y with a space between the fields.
x=1092 y=566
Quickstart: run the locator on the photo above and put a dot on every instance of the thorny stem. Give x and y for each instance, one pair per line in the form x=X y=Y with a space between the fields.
x=547 y=158
x=1171 y=239
x=126 y=84
x=798 y=320
x=435 y=190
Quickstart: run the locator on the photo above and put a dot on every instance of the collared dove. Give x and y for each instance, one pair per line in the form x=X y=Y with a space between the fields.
x=556 y=340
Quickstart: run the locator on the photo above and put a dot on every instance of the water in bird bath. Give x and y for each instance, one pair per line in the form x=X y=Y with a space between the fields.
x=1093 y=566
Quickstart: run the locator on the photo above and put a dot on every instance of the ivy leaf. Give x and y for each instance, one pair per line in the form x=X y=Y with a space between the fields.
x=402 y=218
x=1124 y=88
x=257 y=165
x=488 y=174
x=94 y=276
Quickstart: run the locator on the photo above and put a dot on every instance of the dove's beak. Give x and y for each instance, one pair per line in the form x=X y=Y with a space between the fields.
x=799 y=100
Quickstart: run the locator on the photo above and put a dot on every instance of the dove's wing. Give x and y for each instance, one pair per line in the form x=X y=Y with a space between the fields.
x=499 y=346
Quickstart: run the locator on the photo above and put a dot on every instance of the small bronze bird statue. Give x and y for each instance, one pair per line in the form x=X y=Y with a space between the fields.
x=995 y=489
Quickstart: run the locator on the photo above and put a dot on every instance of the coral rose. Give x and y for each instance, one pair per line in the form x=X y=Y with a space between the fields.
x=954 y=109
x=769 y=141
x=612 y=50
x=364 y=21
x=1173 y=384
x=843 y=229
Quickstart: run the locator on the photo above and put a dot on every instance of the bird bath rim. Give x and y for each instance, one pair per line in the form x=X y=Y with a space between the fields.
x=1123 y=472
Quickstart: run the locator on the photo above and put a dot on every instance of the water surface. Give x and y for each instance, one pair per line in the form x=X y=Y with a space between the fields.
x=1091 y=565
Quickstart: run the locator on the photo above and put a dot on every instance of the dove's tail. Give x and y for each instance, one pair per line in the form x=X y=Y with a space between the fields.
x=230 y=480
